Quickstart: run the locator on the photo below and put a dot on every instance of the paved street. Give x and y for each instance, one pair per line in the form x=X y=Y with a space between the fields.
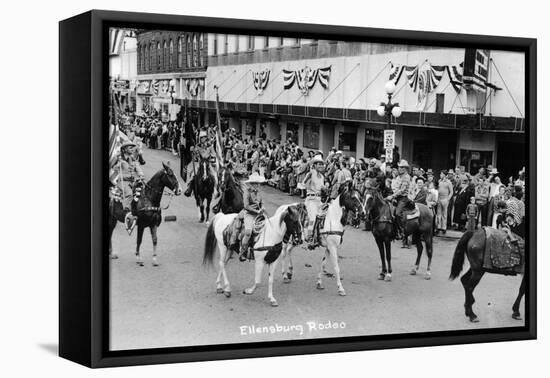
x=176 y=303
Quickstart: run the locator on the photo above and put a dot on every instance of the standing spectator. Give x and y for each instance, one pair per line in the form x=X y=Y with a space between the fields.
x=464 y=193
x=445 y=192
x=395 y=157
x=482 y=198
x=472 y=213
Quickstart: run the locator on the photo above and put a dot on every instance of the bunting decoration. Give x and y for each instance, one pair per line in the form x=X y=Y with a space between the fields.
x=164 y=86
x=193 y=86
x=306 y=78
x=412 y=76
x=260 y=80
x=456 y=78
x=395 y=73
x=155 y=87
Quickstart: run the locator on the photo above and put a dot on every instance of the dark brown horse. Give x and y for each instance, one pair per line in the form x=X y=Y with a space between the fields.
x=421 y=229
x=147 y=207
x=379 y=214
x=231 y=199
x=472 y=245
x=204 y=183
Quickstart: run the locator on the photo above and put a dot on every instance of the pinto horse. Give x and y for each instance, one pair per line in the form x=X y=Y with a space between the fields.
x=231 y=200
x=380 y=215
x=472 y=245
x=204 y=183
x=267 y=246
x=147 y=207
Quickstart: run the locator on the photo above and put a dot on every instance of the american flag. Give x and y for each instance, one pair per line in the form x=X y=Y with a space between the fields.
x=113 y=153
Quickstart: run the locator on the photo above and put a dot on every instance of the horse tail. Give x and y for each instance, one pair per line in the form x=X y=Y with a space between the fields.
x=460 y=252
x=210 y=244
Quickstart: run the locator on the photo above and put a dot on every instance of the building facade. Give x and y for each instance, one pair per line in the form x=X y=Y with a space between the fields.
x=171 y=67
x=123 y=67
x=460 y=106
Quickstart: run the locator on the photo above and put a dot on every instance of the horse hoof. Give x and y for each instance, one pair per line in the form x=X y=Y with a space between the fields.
x=413 y=272
x=428 y=276
x=320 y=286
x=342 y=293
x=219 y=290
x=227 y=294
x=286 y=279
x=155 y=262
x=247 y=292
x=274 y=303
x=474 y=319
x=289 y=275
x=516 y=316
x=114 y=256
x=387 y=278
x=381 y=276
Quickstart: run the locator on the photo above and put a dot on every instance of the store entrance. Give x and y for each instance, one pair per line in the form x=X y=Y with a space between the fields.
x=472 y=160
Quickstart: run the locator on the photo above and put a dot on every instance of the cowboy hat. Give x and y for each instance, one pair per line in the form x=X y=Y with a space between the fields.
x=317 y=159
x=255 y=178
x=403 y=164
x=127 y=144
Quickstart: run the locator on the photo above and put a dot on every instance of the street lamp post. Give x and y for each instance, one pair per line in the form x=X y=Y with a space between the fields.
x=388 y=108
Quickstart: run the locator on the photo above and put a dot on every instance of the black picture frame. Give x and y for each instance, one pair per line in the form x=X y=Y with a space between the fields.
x=83 y=265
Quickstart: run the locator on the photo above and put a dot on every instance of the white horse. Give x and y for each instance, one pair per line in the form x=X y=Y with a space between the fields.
x=286 y=222
x=331 y=237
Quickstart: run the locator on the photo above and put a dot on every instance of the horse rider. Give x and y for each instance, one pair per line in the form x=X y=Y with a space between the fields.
x=314 y=183
x=204 y=150
x=400 y=194
x=253 y=207
x=129 y=170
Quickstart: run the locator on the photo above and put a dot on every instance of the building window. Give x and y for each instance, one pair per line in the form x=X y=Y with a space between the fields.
x=226 y=44
x=195 y=50
x=250 y=43
x=266 y=43
x=165 y=60
x=188 y=49
x=237 y=38
x=171 y=61
x=180 y=52
x=202 y=53
x=216 y=44
x=373 y=143
x=292 y=130
x=311 y=135
x=159 y=56
x=151 y=55
x=347 y=142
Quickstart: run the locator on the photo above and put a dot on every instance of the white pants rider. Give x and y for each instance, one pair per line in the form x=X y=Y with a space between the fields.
x=313 y=207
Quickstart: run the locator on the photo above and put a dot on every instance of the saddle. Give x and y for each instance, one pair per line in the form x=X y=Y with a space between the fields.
x=236 y=226
x=412 y=214
x=502 y=255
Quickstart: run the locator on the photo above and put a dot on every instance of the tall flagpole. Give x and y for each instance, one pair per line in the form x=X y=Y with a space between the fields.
x=219 y=129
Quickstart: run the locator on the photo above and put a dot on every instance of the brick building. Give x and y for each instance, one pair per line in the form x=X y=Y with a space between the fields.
x=171 y=66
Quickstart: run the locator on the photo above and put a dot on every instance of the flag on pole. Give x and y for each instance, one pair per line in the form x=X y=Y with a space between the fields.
x=219 y=154
x=188 y=141
x=113 y=153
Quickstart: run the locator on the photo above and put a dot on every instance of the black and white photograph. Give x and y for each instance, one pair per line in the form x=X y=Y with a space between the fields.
x=266 y=188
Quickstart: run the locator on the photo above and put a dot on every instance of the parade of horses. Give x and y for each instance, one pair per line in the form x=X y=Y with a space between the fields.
x=265 y=214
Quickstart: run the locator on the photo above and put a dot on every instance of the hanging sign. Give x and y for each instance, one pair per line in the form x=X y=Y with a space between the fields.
x=389 y=139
